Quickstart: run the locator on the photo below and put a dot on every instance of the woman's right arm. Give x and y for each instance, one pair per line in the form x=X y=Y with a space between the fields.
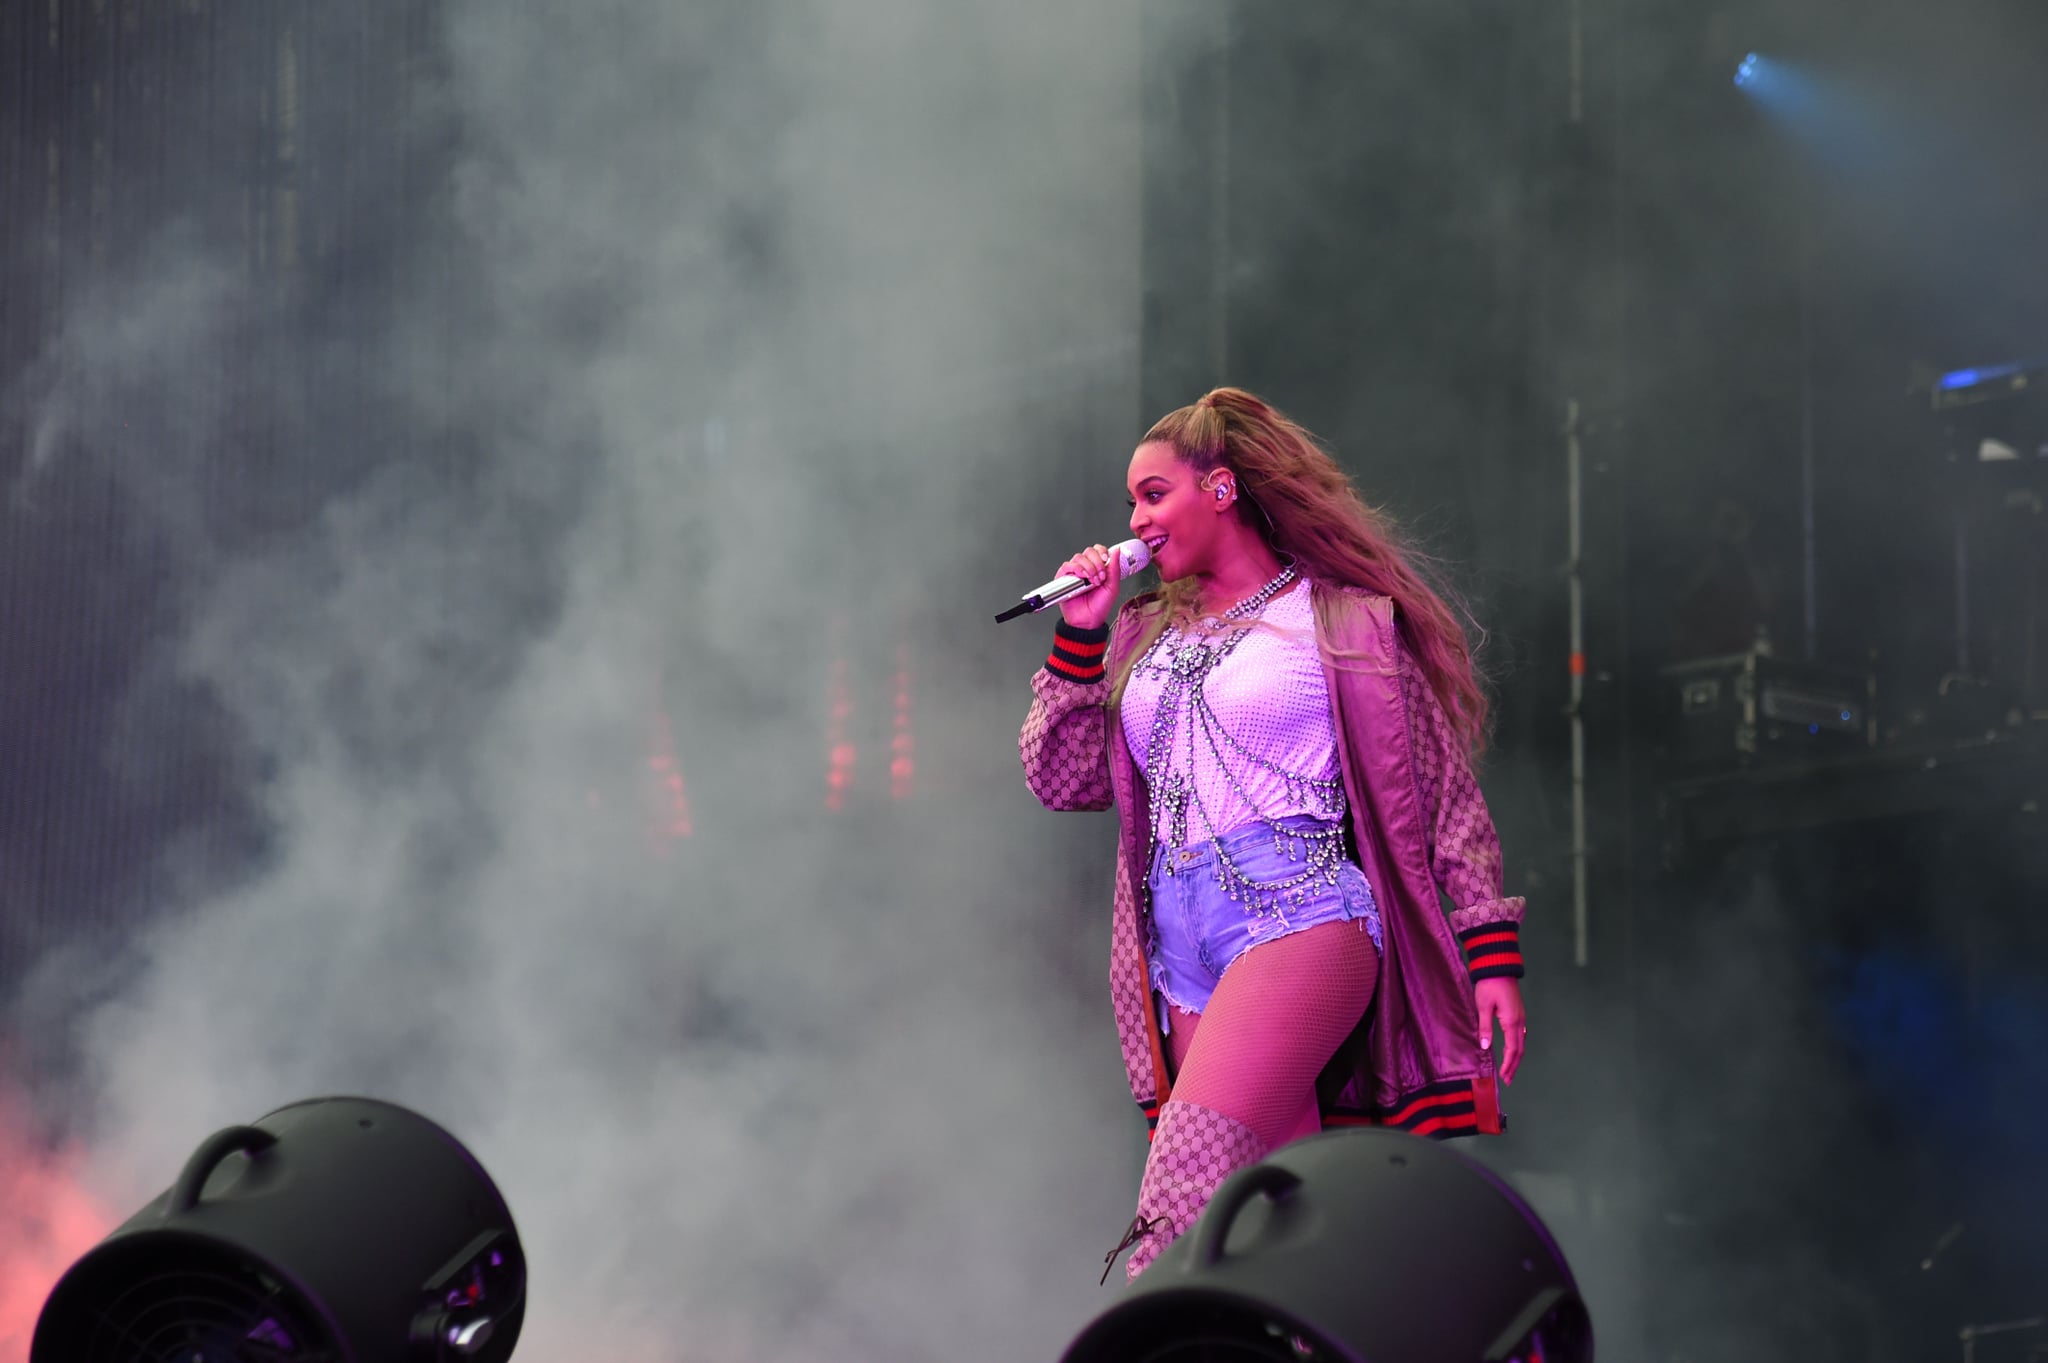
x=1065 y=742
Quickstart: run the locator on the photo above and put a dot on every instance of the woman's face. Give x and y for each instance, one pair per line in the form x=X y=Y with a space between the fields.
x=1172 y=512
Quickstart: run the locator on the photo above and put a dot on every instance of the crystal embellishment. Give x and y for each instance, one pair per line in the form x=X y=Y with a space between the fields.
x=1186 y=663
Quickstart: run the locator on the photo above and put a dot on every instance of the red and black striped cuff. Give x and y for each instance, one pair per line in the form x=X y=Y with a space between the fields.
x=1448 y=1108
x=1493 y=950
x=1079 y=655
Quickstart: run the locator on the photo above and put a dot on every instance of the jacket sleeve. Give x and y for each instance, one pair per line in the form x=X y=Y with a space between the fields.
x=1464 y=849
x=1065 y=742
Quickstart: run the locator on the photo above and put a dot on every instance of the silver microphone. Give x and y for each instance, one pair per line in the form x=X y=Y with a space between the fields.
x=1132 y=557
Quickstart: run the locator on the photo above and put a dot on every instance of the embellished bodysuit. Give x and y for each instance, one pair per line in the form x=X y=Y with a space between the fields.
x=1232 y=726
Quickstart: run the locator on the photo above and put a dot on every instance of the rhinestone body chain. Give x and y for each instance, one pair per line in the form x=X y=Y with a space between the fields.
x=1186 y=663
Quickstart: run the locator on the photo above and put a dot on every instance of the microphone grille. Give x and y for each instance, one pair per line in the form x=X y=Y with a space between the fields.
x=1135 y=556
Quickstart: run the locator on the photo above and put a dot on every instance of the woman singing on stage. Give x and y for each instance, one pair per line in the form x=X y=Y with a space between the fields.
x=1286 y=729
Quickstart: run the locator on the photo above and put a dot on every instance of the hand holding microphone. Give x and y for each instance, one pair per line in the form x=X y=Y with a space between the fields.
x=1089 y=607
x=1086 y=587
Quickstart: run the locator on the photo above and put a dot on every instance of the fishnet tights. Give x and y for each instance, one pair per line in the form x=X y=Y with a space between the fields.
x=1277 y=1016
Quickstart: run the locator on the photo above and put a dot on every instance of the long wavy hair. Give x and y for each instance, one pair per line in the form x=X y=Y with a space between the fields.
x=1293 y=494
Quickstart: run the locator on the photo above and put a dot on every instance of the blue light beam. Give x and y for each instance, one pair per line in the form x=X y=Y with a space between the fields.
x=1837 y=122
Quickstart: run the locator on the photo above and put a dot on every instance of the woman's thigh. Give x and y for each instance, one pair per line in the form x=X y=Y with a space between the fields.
x=1182 y=1036
x=1277 y=1016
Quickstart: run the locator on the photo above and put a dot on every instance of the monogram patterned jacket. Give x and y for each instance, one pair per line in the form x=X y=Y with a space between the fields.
x=1419 y=827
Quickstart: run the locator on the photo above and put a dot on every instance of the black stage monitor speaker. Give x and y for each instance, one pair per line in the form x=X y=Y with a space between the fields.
x=336 y=1230
x=1353 y=1247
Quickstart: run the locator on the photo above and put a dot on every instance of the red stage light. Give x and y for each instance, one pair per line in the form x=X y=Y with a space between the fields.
x=674 y=821
x=47 y=1220
x=902 y=744
x=840 y=752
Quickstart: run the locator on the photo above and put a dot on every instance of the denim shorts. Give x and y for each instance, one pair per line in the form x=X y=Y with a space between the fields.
x=1198 y=929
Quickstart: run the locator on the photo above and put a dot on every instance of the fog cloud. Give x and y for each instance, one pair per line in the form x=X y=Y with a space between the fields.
x=728 y=329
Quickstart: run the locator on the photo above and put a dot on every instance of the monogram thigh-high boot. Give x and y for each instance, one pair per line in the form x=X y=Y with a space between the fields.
x=1194 y=1149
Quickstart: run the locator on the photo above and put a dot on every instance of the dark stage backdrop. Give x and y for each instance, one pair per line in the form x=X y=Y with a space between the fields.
x=1424 y=230
x=135 y=129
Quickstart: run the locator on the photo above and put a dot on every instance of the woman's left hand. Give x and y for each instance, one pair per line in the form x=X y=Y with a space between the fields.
x=1501 y=998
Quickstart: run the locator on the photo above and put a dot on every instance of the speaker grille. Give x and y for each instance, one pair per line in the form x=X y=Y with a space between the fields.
x=181 y=1303
x=1211 y=1331
x=1220 y=1351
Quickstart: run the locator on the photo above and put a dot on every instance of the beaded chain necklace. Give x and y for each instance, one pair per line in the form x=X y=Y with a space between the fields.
x=1186 y=663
